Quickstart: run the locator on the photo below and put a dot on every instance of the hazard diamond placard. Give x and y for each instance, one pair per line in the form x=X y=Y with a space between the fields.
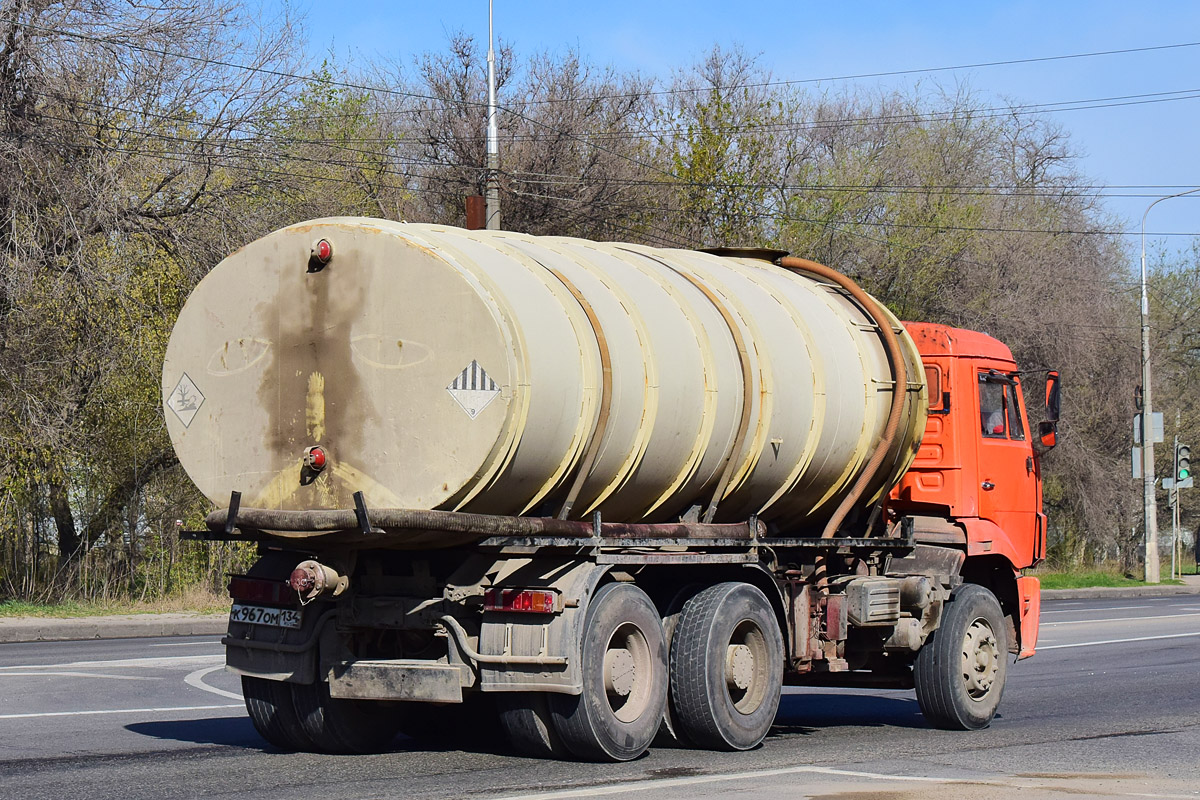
x=473 y=389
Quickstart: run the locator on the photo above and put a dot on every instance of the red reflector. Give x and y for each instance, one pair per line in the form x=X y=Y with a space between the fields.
x=261 y=591
x=315 y=458
x=530 y=601
x=324 y=251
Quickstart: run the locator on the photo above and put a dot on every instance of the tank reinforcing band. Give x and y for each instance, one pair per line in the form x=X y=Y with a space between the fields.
x=739 y=440
x=606 y=389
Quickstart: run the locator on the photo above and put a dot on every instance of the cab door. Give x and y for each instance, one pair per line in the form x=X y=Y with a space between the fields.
x=1008 y=480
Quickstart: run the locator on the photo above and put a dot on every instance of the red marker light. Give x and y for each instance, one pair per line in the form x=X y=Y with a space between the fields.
x=323 y=251
x=529 y=601
x=315 y=459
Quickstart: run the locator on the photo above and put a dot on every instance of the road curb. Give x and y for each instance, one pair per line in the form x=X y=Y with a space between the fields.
x=1116 y=592
x=140 y=626
x=131 y=626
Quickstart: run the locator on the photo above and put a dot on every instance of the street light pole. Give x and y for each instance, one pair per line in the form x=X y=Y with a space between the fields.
x=1148 y=479
x=491 y=192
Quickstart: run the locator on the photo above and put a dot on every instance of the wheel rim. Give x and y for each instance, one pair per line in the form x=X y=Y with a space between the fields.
x=980 y=658
x=746 y=662
x=628 y=669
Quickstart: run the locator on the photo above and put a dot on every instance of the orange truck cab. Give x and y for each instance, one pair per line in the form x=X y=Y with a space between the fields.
x=975 y=484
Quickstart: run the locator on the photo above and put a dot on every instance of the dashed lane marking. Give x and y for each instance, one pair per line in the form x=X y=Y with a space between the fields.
x=63 y=674
x=1118 y=641
x=170 y=709
x=125 y=663
x=1119 y=619
x=1071 y=611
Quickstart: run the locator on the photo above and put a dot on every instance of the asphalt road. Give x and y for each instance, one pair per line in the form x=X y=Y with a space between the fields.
x=1108 y=707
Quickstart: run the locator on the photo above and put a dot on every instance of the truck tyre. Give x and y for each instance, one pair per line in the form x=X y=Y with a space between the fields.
x=527 y=724
x=726 y=667
x=270 y=706
x=959 y=672
x=624 y=669
x=345 y=726
x=669 y=734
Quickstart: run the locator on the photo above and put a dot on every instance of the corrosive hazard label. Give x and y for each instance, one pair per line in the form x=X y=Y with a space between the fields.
x=473 y=389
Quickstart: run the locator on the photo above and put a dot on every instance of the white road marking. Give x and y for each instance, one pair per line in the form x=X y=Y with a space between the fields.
x=115 y=711
x=651 y=783
x=127 y=663
x=196 y=679
x=184 y=644
x=1117 y=641
x=1119 y=619
x=1072 y=611
x=58 y=674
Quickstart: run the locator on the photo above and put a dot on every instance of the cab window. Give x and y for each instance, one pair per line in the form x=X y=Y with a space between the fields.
x=1015 y=429
x=991 y=407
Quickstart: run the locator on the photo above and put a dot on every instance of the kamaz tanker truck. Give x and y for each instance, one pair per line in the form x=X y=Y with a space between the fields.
x=600 y=493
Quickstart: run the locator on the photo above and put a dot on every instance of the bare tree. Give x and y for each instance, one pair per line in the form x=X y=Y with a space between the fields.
x=118 y=122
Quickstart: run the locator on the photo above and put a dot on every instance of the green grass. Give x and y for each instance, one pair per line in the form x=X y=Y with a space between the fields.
x=1089 y=580
x=196 y=601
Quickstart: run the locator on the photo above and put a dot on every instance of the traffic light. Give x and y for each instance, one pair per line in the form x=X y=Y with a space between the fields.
x=1183 y=462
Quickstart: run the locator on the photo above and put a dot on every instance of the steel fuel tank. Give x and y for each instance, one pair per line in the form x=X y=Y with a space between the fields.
x=482 y=371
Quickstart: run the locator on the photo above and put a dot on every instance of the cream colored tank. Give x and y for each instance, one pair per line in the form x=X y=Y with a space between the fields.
x=439 y=368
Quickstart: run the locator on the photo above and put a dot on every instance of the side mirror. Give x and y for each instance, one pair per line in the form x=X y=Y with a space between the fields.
x=1053 y=397
x=1047 y=438
x=1048 y=434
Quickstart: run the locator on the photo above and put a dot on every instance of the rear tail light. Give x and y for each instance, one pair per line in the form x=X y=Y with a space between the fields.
x=529 y=601
x=261 y=591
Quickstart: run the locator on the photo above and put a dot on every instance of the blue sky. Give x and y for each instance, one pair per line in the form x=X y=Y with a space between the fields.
x=1149 y=144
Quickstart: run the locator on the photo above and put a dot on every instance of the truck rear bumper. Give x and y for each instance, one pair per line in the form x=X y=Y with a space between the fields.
x=396 y=680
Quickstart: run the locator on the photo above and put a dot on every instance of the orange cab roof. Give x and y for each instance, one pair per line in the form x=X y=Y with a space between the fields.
x=942 y=340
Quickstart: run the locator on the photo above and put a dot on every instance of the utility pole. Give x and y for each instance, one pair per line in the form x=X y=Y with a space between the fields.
x=1150 y=503
x=491 y=191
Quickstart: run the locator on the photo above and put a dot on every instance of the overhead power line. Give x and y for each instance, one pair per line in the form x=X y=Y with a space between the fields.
x=419 y=96
x=897 y=72
x=252 y=134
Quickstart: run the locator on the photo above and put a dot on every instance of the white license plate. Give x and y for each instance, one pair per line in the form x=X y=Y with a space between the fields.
x=260 y=615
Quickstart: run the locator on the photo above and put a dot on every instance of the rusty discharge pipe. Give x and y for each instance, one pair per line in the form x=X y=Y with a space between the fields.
x=895 y=357
x=480 y=525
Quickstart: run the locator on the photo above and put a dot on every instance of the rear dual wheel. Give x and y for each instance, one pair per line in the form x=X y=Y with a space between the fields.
x=726 y=667
x=269 y=704
x=528 y=725
x=624 y=666
x=293 y=716
x=337 y=725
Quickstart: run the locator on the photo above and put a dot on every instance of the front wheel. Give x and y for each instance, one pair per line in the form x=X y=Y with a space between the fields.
x=960 y=671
